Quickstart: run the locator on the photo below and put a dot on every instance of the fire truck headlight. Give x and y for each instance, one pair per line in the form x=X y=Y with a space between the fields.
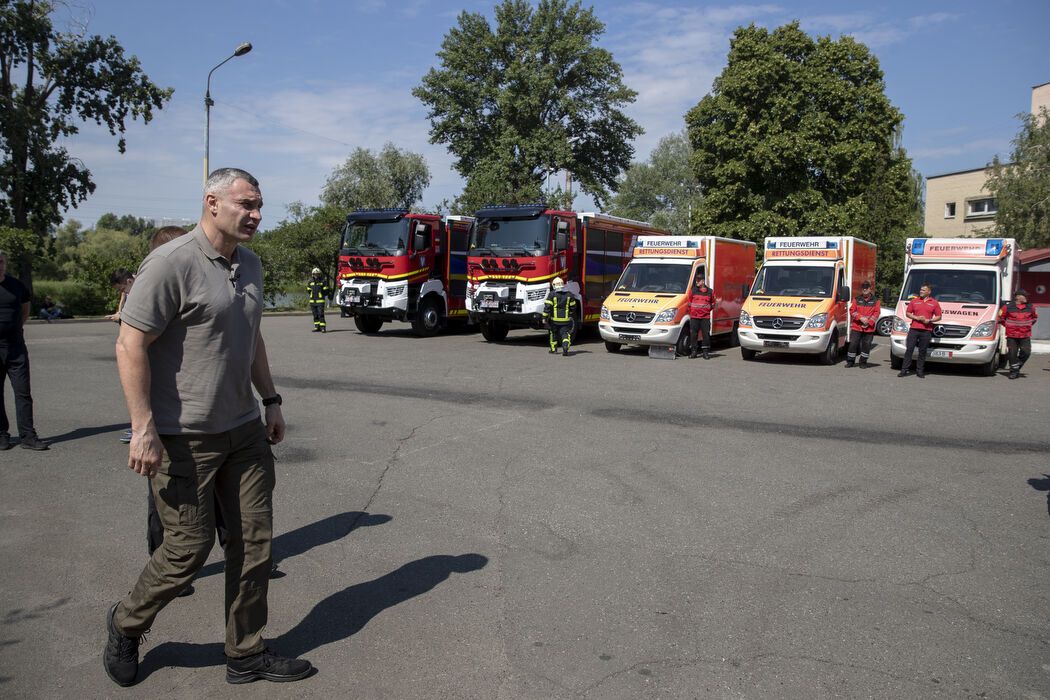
x=817 y=321
x=745 y=320
x=985 y=330
x=899 y=325
x=605 y=313
x=666 y=316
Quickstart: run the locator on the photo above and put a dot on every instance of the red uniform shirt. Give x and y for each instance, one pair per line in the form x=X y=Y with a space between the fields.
x=864 y=314
x=1018 y=319
x=701 y=302
x=927 y=307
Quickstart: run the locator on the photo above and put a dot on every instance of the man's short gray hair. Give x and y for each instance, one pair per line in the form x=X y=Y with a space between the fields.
x=222 y=179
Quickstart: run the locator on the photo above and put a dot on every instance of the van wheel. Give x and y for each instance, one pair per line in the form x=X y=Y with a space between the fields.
x=831 y=354
x=494 y=331
x=368 y=324
x=991 y=367
x=428 y=318
x=748 y=354
x=896 y=362
x=612 y=347
x=682 y=347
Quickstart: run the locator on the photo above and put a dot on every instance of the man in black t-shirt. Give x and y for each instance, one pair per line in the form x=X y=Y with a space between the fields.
x=14 y=360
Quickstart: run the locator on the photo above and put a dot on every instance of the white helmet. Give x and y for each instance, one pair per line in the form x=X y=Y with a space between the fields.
x=315 y=271
x=558 y=283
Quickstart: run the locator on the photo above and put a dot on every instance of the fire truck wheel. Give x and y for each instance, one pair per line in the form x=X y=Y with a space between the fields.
x=494 y=331
x=368 y=324
x=831 y=353
x=612 y=347
x=896 y=362
x=748 y=355
x=428 y=318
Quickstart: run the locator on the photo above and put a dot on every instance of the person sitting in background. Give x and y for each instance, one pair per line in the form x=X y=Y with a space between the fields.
x=49 y=310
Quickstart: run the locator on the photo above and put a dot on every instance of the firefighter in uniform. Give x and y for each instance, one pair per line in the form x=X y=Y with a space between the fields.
x=1017 y=318
x=701 y=303
x=923 y=311
x=559 y=312
x=863 y=315
x=318 y=290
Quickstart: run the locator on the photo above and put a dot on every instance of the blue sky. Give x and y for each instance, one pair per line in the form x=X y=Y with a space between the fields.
x=326 y=76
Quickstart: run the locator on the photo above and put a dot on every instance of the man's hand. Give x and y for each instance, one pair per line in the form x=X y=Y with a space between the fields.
x=274 y=424
x=146 y=452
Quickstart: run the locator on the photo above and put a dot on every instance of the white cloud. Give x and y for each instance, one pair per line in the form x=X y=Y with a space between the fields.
x=981 y=150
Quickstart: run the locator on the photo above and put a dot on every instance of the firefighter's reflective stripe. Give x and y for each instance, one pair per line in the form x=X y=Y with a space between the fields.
x=318 y=292
x=559 y=307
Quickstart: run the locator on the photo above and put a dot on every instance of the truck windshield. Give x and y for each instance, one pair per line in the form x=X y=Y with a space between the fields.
x=654 y=277
x=511 y=236
x=795 y=281
x=382 y=237
x=960 y=286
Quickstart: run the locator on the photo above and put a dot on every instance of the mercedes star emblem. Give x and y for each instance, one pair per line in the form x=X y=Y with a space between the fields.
x=778 y=323
x=630 y=317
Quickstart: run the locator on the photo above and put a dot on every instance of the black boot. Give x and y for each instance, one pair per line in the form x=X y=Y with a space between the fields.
x=863 y=363
x=121 y=658
x=268 y=667
x=707 y=355
x=692 y=355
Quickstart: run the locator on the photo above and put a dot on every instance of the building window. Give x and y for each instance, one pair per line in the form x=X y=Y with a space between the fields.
x=982 y=207
x=949 y=210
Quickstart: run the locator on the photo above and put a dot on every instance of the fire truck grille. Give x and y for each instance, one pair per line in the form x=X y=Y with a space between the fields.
x=634 y=316
x=536 y=294
x=787 y=323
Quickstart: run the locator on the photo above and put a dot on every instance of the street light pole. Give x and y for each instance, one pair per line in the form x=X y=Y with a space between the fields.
x=239 y=51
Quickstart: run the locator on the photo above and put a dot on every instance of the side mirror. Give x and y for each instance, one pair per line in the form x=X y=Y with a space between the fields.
x=843 y=293
x=419 y=241
x=746 y=290
x=561 y=239
x=887 y=296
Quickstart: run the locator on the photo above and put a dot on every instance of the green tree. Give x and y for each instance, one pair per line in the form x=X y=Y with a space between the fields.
x=19 y=244
x=662 y=191
x=798 y=138
x=308 y=238
x=1022 y=186
x=134 y=225
x=530 y=98
x=50 y=81
x=390 y=178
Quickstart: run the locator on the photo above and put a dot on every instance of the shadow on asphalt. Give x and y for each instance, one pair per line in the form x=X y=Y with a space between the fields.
x=1042 y=485
x=303 y=539
x=334 y=619
x=80 y=433
x=343 y=614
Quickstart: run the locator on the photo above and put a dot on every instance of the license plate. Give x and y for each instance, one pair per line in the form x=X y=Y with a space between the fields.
x=943 y=354
x=774 y=343
x=355 y=299
x=626 y=336
x=490 y=303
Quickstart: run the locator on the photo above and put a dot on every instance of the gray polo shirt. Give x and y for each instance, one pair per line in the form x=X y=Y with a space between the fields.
x=205 y=312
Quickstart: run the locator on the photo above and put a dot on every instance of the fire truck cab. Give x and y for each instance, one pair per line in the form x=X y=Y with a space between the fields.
x=395 y=265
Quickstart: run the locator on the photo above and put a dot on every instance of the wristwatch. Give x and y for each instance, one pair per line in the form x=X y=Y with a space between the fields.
x=275 y=399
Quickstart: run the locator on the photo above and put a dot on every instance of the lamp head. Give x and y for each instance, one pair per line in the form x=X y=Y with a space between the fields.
x=243 y=49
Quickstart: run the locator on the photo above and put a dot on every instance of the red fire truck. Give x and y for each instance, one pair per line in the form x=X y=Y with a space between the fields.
x=516 y=251
x=395 y=265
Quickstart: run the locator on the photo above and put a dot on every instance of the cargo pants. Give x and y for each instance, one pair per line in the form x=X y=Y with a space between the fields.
x=235 y=471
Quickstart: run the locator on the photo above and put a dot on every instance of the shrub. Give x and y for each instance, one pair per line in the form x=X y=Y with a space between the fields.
x=75 y=298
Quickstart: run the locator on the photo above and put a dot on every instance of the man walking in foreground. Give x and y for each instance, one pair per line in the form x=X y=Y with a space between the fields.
x=189 y=352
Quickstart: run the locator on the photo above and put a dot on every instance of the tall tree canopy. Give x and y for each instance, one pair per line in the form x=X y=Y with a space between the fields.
x=531 y=97
x=1022 y=186
x=662 y=191
x=390 y=178
x=797 y=137
x=50 y=81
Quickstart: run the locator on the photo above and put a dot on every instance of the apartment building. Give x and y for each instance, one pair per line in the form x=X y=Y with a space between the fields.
x=958 y=204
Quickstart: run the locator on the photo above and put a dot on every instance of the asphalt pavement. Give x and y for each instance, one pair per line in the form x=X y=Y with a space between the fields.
x=459 y=519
